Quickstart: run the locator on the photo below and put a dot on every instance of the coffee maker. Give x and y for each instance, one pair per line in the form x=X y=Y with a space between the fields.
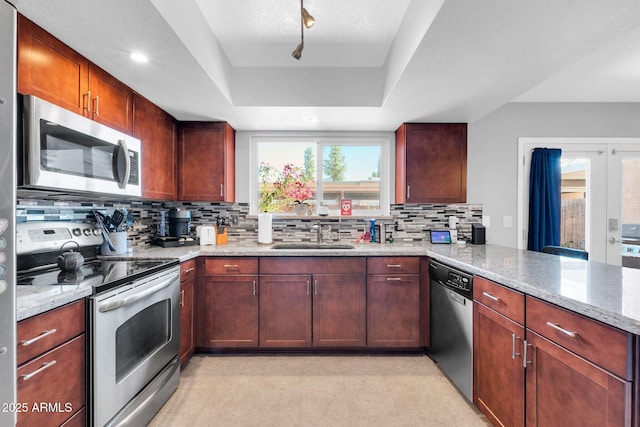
x=179 y=229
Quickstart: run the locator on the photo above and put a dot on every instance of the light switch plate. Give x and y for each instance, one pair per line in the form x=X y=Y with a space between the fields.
x=486 y=221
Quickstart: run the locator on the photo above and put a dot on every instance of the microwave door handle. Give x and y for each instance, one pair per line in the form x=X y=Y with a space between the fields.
x=127 y=163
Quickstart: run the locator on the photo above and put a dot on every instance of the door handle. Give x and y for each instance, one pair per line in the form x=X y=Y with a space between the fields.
x=613 y=240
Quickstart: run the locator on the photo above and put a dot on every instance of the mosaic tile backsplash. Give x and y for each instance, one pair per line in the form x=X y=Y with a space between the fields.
x=407 y=223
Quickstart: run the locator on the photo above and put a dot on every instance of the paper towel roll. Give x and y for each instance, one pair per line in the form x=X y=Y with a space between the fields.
x=264 y=228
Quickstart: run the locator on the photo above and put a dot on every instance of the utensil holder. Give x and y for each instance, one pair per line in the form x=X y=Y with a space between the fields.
x=221 y=238
x=119 y=242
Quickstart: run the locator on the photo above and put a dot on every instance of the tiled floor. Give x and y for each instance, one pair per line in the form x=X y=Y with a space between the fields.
x=315 y=391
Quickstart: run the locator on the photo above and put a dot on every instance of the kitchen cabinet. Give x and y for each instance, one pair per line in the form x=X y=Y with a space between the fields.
x=301 y=305
x=393 y=302
x=156 y=131
x=206 y=162
x=49 y=69
x=579 y=371
x=51 y=367
x=498 y=334
x=187 y=316
x=431 y=163
x=230 y=303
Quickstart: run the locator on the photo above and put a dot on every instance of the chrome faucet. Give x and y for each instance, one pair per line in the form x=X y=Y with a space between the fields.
x=318 y=228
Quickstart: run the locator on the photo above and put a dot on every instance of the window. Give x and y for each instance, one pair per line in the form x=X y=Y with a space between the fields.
x=300 y=174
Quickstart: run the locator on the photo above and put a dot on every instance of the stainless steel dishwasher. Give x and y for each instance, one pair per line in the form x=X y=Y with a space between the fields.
x=452 y=324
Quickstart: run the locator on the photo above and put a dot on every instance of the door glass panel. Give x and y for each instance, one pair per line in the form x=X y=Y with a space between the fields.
x=573 y=226
x=141 y=336
x=630 y=212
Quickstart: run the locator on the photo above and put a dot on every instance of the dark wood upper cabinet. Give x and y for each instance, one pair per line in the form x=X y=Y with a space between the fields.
x=51 y=70
x=431 y=163
x=157 y=133
x=206 y=161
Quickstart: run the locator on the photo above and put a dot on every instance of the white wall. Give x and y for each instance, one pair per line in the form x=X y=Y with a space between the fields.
x=493 y=147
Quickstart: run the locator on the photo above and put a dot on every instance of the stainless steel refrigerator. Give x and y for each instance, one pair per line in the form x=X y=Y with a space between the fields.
x=7 y=214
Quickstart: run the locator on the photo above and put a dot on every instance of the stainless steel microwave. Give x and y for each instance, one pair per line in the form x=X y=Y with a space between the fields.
x=66 y=151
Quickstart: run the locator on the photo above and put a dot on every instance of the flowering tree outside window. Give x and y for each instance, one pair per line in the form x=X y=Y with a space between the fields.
x=280 y=190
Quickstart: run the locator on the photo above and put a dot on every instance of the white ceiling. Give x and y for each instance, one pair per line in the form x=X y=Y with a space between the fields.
x=366 y=65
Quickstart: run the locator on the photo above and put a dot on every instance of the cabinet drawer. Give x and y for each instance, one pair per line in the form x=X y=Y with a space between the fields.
x=601 y=344
x=505 y=301
x=242 y=265
x=55 y=378
x=393 y=265
x=312 y=265
x=187 y=270
x=47 y=330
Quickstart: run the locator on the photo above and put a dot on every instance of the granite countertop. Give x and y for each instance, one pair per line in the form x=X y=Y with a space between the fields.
x=600 y=291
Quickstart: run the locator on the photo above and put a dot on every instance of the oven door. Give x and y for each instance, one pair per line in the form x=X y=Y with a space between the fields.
x=135 y=334
x=66 y=151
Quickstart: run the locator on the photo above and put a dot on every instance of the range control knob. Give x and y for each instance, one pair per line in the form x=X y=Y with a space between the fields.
x=76 y=232
x=86 y=232
x=96 y=232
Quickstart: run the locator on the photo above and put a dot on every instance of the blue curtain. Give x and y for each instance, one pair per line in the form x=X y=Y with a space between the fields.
x=544 y=198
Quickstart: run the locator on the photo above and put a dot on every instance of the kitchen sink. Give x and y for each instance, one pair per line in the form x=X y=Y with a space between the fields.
x=311 y=246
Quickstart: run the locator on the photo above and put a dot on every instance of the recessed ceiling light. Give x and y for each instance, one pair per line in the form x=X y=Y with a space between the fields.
x=139 y=57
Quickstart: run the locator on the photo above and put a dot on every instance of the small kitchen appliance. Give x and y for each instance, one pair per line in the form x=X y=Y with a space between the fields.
x=477 y=234
x=206 y=235
x=179 y=222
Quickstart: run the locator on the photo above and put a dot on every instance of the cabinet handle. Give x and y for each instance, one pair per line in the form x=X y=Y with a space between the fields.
x=315 y=287
x=308 y=287
x=394 y=265
x=86 y=102
x=564 y=331
x=254 y=287
x=231 y=266
x=524 y=354
x=513 y=346
x=189 y=270
x=221 y=190
x=96 y=100
x=491 y=297
x=44 y=366
x=408 y=191
x=396 y=279
x=182 y=298
x=39 y=337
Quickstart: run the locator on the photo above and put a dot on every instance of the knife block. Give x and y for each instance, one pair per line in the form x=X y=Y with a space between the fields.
x=221 y=238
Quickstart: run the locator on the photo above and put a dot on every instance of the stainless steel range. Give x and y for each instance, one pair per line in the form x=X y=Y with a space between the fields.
x=133 y=319
x=630 y=247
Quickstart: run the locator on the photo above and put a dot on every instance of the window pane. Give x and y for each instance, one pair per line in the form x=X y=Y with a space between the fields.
x=351 y=172
x=286 y=175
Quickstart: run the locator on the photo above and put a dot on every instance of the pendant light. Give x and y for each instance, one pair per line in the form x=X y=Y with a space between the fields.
x=306 y=20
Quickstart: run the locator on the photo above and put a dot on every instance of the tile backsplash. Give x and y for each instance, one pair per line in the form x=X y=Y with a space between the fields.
x=409 y=223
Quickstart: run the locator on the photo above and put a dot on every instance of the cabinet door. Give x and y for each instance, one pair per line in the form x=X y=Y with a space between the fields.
x=187 y=332
x=156 y=131
x=50 y=70
x=393 y=310
x=564 y=389
x=206 y=170
x=285 y=310
x=339 y=314
x=231 y=311
x=111 y=100
x=431 y=163
x=498 y=372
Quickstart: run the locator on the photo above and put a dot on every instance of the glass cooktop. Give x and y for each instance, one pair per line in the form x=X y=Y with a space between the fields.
x=102 y=275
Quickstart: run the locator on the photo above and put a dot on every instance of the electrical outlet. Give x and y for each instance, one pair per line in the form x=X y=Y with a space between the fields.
x=234 y=219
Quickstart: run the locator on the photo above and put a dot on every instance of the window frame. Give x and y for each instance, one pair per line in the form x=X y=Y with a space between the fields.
x=382 y=139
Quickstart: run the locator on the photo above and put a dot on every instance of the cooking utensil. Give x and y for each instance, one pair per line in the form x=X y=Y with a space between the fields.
x=105 y=233
x=116 y=219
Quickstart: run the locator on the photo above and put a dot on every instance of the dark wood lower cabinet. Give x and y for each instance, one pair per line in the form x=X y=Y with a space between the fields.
x=285 y=310
x=339 y=314
x=187 y=327
x=498 y=381
x=393 y=310
x=231 y=314
x=564 y=389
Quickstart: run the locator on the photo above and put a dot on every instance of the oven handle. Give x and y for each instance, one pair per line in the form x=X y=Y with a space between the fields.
x=122 y=302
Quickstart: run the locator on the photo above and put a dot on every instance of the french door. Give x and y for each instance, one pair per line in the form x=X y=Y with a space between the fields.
x=601 y=172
